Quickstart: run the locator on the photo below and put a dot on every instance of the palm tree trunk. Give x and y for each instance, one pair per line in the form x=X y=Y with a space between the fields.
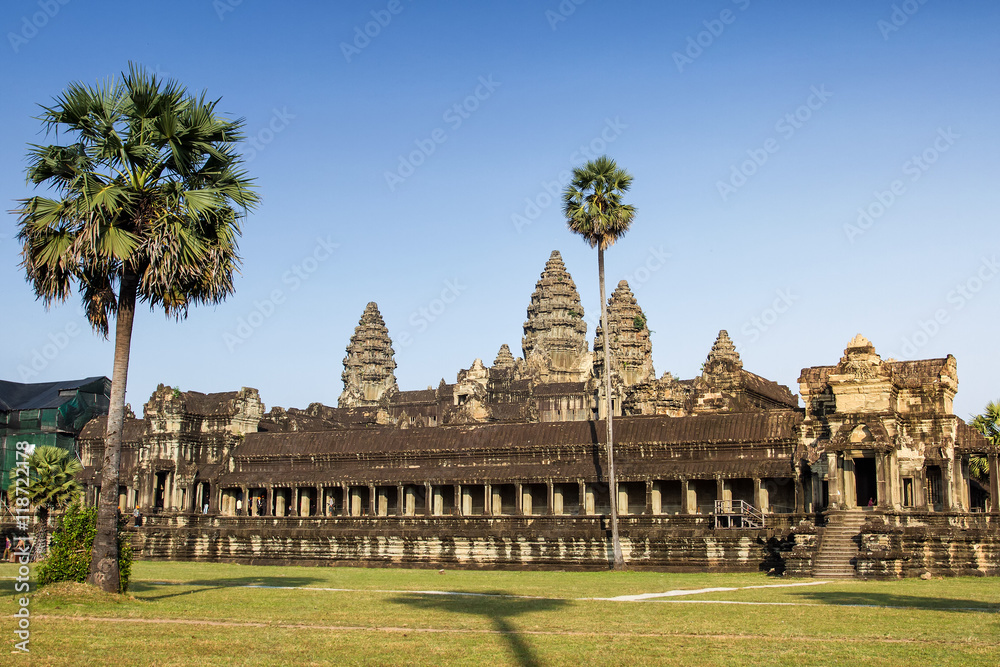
x=104 y=558
x=619 y=562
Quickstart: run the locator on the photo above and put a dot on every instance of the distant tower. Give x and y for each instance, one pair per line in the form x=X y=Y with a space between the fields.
x=369 y=367
x=723 y=357
x=555 y=335
x=628 y=335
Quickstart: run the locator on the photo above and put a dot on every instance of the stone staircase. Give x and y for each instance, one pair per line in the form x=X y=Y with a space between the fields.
x=837 y=546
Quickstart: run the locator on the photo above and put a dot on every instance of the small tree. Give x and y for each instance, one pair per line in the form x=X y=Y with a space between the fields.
x=988 y=424
x=69 y=556
x=51 y=479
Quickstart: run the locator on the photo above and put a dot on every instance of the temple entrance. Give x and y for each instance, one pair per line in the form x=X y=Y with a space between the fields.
x=866 y=490
x=160 y=490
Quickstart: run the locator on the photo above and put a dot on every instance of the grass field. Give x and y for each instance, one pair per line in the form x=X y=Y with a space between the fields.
x=218 y=614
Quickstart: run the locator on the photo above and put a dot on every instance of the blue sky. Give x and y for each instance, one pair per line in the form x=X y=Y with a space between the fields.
x=802 y=172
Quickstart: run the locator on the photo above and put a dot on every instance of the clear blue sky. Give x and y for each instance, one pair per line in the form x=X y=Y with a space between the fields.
x=755 y=132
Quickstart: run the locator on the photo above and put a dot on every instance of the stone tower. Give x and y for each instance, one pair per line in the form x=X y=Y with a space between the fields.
x=369 y=365
x=555 y=335
x=723 y=358
x=628 y=335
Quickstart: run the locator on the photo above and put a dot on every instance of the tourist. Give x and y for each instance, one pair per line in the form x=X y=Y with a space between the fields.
x=239 y=507
x=6 y=549
x=260 y=506
x=136 y=517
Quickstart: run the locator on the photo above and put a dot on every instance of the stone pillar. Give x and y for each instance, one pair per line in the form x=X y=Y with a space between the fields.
x=518 y=499
x=371 y=500
x=994 y=466
x=758 y=495
x=527 y=506
x=654 y=498
x=583 y=497
x=496 y=501
x=345 y=505
x=622 y=499
x=837 y=499
x=409 y=501
x=720 y=491
x=488 y=499
x=457 y=492
x=948 y=486
x=399 y=499
x=589 y=501
x=882 y=480
x=685 y=497
x=428 y=499
x=558 y=506
x=551 y=499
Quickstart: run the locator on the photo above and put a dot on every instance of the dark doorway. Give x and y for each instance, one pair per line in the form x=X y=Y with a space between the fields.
x=864 y=482
x=160 y=491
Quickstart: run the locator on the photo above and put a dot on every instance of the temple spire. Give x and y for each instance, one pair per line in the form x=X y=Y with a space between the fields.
x=631 y=348
x=555 y=334
x=369 y=367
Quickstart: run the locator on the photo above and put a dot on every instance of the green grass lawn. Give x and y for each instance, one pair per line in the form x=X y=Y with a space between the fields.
x=218 y=614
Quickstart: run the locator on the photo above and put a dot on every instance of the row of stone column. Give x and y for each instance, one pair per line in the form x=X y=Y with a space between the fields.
x=463 y=499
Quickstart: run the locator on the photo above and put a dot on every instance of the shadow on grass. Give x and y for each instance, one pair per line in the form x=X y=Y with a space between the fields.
x=867 y=599
x=499 y=610
x=139 y=588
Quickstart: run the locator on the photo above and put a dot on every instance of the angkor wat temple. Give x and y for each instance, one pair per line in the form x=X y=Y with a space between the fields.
x=507 y=465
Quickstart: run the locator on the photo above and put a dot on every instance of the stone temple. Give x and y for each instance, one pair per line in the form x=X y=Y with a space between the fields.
x=507 y=465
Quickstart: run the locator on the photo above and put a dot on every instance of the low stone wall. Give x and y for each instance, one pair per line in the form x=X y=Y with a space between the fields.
x=542 y=542
x=943 y=544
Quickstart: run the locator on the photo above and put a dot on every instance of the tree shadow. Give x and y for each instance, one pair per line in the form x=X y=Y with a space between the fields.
x=497 y=606
x=202 y=585
x=869 y=599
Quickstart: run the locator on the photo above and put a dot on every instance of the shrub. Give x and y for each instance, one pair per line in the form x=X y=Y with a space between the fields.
x=69 y=555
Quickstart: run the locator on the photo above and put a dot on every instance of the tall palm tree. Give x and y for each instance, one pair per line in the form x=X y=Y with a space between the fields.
x=146 y=200
x=592 y=203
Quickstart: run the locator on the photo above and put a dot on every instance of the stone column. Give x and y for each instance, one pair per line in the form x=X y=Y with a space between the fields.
x=948 y=485
x=428 y=499
x=649 y=498
x=758 y=495
x=399 y=499
x=558 y=500
x=518 y=499
x=837 y=499
x=371 y=500
x=488 y=499
x=457 y=508
x=882 y=480
x=993 y=460
x=622 y=499
x=345 y=506
x=720 y=492
x=583 y=497
x=551 y=500
x=685 y=497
